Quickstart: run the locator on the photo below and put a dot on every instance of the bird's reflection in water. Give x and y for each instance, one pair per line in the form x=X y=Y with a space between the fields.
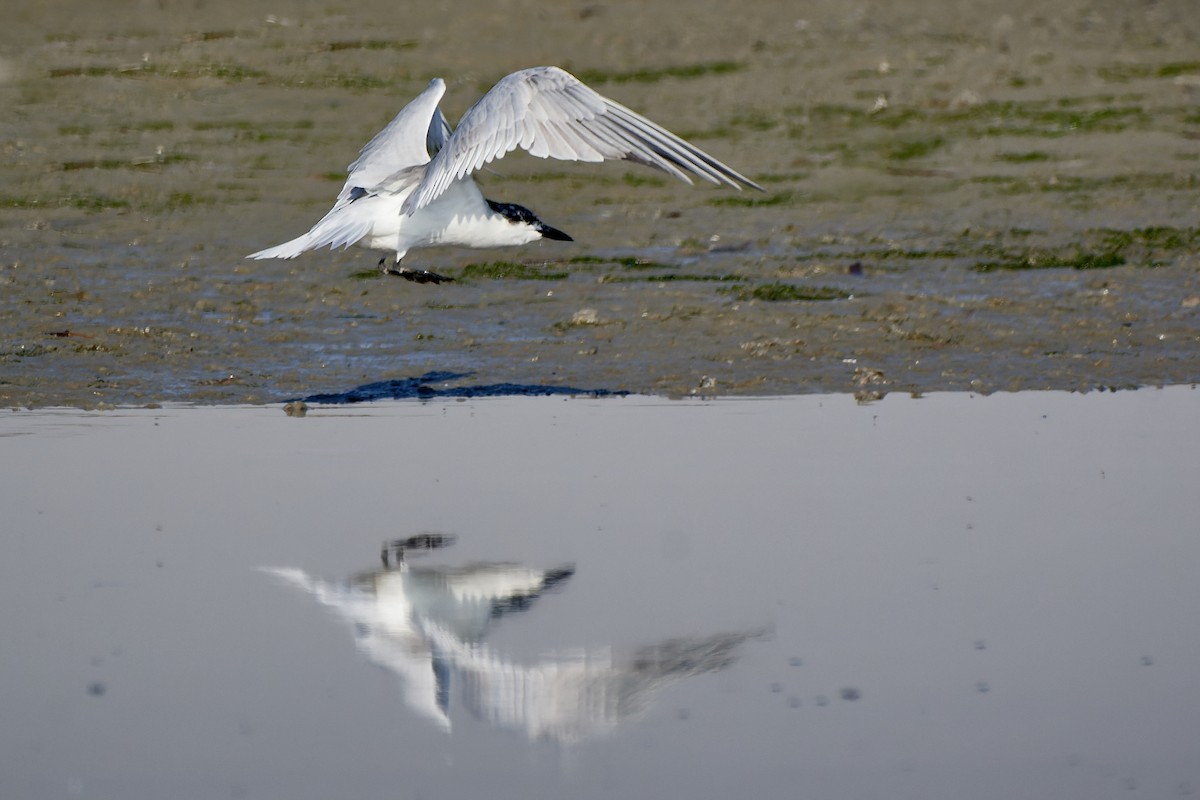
x=426 y=625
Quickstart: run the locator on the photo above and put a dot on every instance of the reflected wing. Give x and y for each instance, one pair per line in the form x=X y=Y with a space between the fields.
x=551 y=114
x=464 y=601
x=384 y=634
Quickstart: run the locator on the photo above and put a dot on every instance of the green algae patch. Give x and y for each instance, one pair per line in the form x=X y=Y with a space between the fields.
x=126 y=163
x=508 y=270
x=1037 y=260
x=629 y=262
x=671 y=277
x=1030 y=157
x=1123 y=73
x=1102 y=248
x=915 y=148
x=1044 y=118
x=371 y=44
x=1159 y=237
x=685 y=71
x=779 y=292
x=738 y=201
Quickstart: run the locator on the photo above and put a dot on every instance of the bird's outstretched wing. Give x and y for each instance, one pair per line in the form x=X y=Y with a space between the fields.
x=550 y=113
x=406 y=141
x=389 y=163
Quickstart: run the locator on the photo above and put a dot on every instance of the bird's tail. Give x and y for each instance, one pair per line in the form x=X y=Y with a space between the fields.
x=341 y=227
x=286 y=250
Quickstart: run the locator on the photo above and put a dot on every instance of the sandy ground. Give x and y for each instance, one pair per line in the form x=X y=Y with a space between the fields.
x=977 y=195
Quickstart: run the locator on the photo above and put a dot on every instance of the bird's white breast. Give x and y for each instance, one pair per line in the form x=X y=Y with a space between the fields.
x=458 y=217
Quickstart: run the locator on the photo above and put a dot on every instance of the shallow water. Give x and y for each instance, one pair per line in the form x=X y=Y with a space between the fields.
x=803 y=596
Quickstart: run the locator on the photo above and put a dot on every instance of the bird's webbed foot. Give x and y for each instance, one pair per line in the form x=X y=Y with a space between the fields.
x=414 y=275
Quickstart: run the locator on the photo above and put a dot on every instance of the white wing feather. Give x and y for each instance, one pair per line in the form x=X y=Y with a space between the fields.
x=551 y=114
x=439 y=132
x=404 y=142
x=389 y=163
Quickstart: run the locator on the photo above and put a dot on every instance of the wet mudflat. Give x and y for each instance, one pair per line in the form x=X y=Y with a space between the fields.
x=629 y=597
x=992 y=196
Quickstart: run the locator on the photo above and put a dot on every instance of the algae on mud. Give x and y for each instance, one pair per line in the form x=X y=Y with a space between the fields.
x=981 y=183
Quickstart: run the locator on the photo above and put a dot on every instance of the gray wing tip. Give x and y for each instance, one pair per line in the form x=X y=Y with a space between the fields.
x=730 y=177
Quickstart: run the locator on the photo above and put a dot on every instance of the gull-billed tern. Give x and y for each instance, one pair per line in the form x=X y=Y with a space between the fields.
x=412 y=184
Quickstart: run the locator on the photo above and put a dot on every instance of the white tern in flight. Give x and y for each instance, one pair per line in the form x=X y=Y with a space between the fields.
x=412 y=185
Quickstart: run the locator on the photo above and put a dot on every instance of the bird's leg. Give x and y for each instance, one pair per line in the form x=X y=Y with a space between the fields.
x=414 y=275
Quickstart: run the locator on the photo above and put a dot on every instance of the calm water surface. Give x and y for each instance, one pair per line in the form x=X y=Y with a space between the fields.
x=957 y=596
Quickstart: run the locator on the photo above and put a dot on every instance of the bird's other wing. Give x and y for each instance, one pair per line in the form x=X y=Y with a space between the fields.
x=439 y=132
x=404 y=142
x=551 y=114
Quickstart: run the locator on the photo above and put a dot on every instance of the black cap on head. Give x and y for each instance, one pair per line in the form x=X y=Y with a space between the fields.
x=516 y=213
